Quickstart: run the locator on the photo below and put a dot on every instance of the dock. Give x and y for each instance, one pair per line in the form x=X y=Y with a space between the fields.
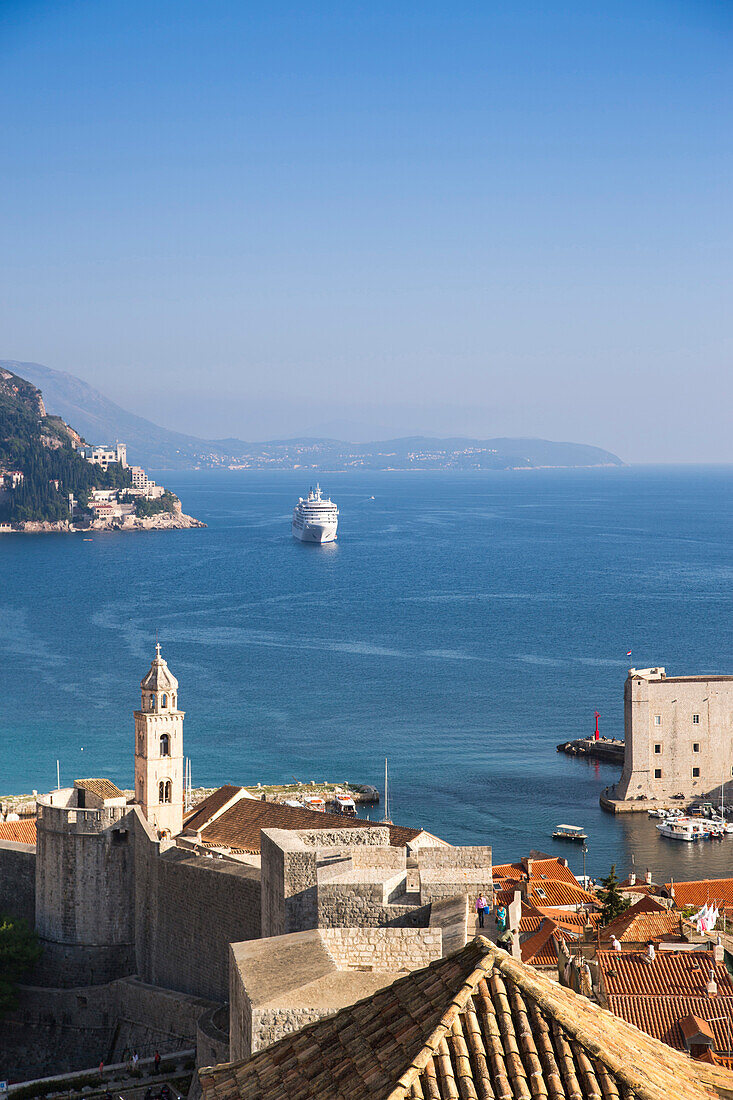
x=608 y=749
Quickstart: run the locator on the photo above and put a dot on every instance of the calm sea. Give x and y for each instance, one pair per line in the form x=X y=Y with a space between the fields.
x=462 y=626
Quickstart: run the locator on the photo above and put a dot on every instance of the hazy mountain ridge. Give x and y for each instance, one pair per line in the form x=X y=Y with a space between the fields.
x=100 y=420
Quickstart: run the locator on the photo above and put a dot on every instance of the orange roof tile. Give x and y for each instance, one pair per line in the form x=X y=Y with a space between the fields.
x=549 y=893
x=541 y=948
x=647 y=920
x=718 y=891
x=541 y=869
x=21 y=832
x=572 y=923
x=673 y=973
x=661 y=1017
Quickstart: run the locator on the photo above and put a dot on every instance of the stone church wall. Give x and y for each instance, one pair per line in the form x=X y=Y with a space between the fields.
x=18 y=880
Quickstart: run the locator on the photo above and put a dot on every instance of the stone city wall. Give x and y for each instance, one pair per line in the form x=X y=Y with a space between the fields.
x=359 y=905
x=271 y=1024
x=62 y=1030
x=189 y=908
x=18 y=880
x=212 y=1044
x=390 y=949
x=201 y=907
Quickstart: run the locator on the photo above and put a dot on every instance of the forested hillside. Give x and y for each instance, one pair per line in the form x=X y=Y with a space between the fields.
x=40 y=447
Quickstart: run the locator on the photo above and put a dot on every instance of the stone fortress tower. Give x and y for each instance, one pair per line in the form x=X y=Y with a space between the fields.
x=679 y=736
x=159 y=750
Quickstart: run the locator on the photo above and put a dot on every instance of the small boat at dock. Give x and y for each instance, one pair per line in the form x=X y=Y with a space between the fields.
x=570 y=832
x=314 y=802
x=684 y=828
x=345 y=804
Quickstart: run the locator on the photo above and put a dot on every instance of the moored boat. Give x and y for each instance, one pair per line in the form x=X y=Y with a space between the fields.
x=570 y=832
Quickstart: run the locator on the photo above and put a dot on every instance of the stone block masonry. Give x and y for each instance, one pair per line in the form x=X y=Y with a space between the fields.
x=390 y=949
x=18 y=880
x=678 y=736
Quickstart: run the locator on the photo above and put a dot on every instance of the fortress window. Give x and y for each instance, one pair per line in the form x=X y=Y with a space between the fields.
x=164 y=790
x=165 y=749
x=657 y=773
x=696 y=719
x=657 y=749
x=695 y=773
x=657 y=719
x=696 y=746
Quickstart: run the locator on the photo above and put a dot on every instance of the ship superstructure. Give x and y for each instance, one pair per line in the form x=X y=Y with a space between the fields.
x=315 y=518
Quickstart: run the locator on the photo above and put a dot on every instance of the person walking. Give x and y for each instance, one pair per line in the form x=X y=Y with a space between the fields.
x=481 y=907
x=156 y=1061
x=501 y=918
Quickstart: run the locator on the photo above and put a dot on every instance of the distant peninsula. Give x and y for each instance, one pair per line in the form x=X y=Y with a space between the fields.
x=50 y=480
x=96 y=417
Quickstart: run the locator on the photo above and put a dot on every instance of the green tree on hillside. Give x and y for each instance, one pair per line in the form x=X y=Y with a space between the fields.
x=19 y=953
x=614 y=903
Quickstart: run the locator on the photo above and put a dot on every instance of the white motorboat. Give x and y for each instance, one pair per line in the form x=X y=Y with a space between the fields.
x=345 y=805
x=683 y=828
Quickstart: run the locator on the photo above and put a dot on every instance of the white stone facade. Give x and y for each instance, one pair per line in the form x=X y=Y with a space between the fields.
x=679 y=735
x=159 y=750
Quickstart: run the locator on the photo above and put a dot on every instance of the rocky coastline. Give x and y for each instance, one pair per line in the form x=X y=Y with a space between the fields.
x=161 y=521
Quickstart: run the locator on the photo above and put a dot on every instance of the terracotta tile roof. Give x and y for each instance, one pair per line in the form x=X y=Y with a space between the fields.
x=662 y=1017
x=673 y=973
x=22 y=832
x=200 y=814
x=474 y=1024
x=572 y=923
x=239 y=827
x=541 y=869
x=714 y=890
x=644 y=921
x=103 y=788
x=550 y=893
x=541 y=948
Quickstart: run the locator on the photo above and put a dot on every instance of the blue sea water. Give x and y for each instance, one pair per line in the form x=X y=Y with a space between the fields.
x=463 y=625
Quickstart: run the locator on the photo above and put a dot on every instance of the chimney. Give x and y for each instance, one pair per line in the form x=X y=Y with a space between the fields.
x=649 y=957
x=648 y=877
x=527 y=864
x=632 y=878
x=719 y=951
x=712 y=986
x=524 y=887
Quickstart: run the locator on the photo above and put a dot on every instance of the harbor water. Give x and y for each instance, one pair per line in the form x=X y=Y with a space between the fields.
x=463 y=625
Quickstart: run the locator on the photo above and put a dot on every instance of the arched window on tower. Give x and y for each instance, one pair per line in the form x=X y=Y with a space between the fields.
x=173 y=702
x=165 y=748
x=164 y=700
x=164 y=790
x=152 y=702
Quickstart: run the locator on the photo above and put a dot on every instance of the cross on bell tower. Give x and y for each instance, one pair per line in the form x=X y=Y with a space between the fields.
x=159 y=749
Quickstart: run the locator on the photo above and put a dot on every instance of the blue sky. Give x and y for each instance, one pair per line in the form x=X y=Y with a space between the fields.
x=455 y=218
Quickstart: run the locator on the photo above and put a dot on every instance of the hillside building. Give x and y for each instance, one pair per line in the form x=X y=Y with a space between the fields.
x=679 y=736
x=105 y=454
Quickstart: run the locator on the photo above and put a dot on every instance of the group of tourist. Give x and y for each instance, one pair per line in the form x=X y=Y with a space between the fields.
x=483 y=909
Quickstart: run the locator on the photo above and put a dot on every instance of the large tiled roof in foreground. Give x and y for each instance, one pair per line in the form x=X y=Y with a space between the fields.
x=240 y=826
x=476 y=1024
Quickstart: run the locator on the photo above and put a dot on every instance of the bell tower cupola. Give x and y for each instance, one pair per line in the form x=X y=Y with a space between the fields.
x=159 y=750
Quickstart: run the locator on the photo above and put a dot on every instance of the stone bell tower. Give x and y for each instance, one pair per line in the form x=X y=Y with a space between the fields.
x=159 y=750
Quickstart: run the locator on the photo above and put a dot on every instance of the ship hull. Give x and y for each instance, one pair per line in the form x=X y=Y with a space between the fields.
x=319 y=533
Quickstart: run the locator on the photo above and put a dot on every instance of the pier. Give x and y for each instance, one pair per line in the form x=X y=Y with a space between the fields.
x=608 y=749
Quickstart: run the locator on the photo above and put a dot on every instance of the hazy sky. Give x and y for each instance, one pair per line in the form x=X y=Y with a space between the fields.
x=486 y=218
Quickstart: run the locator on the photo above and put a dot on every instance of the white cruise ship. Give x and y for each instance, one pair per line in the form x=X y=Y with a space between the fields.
x=315 y=519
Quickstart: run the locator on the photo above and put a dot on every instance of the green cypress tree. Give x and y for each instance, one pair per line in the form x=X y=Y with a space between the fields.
x=613 y=901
